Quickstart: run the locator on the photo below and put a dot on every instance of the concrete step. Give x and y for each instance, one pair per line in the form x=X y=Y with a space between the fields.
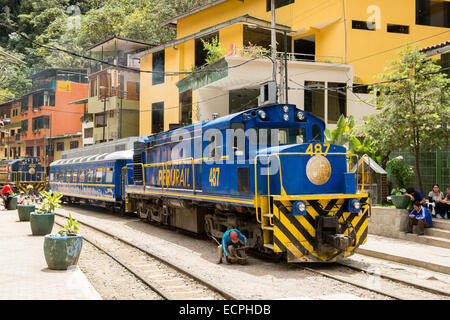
x=429 y=240
x=441 y=223
x=437 y=232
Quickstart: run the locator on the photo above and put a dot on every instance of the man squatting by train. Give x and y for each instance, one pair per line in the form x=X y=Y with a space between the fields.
x=230 y=241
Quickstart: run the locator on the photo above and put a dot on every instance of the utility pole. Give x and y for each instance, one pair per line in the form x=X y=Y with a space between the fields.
x=273 y=44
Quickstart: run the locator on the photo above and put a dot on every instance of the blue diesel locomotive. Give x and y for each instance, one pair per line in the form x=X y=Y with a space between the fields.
x=265 y=171
x=23 y=172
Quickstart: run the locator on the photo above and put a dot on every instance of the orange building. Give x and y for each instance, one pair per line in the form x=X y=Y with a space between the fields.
x=46 y=111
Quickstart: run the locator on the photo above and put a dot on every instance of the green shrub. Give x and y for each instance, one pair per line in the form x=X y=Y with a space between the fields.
x=400 y=172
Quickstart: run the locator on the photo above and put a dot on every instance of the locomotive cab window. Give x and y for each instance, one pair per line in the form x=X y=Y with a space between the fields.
x=281 y=136
x=109 y=175
x=99 y=175
x=316 y=133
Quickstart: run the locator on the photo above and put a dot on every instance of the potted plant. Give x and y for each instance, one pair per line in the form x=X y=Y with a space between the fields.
x=41 y=221
x=12 y=205
x=25 y=209
x=63 y=249
x=401 y=173
x=398 y=198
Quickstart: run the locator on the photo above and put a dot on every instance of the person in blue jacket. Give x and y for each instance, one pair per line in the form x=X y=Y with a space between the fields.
x=421 y=217
x=230 y=240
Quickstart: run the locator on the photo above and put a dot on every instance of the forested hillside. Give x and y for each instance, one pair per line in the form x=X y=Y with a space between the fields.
x=75 y=25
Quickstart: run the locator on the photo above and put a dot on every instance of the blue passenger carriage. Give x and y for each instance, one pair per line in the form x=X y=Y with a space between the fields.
x=92 y=179
x=266 y=171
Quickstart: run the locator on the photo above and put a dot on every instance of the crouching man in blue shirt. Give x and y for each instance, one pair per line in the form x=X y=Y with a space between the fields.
x=230 y=241
x=421 y=217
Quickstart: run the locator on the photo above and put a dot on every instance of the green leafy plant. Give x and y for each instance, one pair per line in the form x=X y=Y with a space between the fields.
x=71 y=229
x=51 y=201
x=214 y=50
x=400 y=172
x=398 y=191
x=338 y=135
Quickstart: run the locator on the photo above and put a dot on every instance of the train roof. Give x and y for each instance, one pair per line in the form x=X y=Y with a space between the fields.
x=225 y=120
x=103 y=157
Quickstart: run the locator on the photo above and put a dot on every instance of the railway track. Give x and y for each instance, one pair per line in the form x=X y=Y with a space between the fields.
x=341 y=271
x=169 y=281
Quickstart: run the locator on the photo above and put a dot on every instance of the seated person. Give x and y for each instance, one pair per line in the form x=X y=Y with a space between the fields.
x=446 y=201
x=421 y=217
x=21 y=198
x=415 y=195
x=435 y=204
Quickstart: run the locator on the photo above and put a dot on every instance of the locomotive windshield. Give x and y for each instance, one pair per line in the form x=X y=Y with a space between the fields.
x=281 y=136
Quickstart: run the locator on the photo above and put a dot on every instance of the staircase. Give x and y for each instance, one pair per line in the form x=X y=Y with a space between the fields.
x=438 y=235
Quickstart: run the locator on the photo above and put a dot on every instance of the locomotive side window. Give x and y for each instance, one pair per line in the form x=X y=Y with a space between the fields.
x=90 y=175
x=109 y=175
x=238 y=138
x=99 y=175
x=316 y=133
x=82 y=175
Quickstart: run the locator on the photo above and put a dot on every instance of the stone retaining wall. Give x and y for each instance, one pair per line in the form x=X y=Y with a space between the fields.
x=388 y=222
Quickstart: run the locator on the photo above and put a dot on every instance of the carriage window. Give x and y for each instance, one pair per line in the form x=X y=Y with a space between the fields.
x=109 y=175
x=56 y=175
x=62 y=175
x=68 y=175
x=90 y=175
x=75 y=175
x=99 y=175
x=316 y=133
x=52 y=176
x=82 y=175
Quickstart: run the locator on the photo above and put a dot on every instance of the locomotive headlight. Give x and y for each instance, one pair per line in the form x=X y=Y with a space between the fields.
x=300 y=116
x=299 y=208
x=262 y=115
x=286 y=117
x=355 y=206
x=285 y=108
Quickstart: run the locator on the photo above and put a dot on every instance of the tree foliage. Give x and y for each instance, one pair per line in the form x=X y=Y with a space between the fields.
x=415 y=106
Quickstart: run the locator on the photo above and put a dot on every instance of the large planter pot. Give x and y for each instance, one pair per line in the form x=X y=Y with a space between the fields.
x=12 y=205
x=401 y=202
x=62 y=252
x=24 y=211
x=41 y=223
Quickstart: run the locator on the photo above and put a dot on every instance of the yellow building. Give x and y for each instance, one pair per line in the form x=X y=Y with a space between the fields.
x=66 y=142
x=331 y=43
x=11 y=146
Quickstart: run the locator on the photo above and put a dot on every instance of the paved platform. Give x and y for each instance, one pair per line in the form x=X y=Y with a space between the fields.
x=408 y=252
x=23 y=271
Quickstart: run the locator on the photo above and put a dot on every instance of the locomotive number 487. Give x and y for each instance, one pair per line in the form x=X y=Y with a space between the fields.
x=214 y=177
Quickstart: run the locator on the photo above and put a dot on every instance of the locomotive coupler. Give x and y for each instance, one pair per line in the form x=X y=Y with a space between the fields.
x=329 y=236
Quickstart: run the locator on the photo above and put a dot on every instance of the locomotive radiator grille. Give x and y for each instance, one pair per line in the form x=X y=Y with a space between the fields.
x=297 y=236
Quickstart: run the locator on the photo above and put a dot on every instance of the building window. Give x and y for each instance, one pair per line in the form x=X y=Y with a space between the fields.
x=111 y=113
x=60 y=146
x=42 y=122
x=28 y=151
x=93 y=87
x=315 y=98
x=278 y=3
x=186 y=108
x=363 y=25
x=262 y=37
x=44 y=98
x=100 y=120
x=73 y=144
x=397 y=28
x=433 y=13
x=157 y=117
x=200 y=52
x=24 y=104
x=158 y=67
x=337 y=101
x=88 y=133
x=24 y=125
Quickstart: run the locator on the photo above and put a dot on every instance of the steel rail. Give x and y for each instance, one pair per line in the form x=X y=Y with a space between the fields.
x=180 y=269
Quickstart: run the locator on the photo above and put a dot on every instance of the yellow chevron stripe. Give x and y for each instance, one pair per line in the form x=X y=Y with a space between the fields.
x=291 y=247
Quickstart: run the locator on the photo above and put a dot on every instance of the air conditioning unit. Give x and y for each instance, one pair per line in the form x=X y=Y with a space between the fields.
x=268 y=93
